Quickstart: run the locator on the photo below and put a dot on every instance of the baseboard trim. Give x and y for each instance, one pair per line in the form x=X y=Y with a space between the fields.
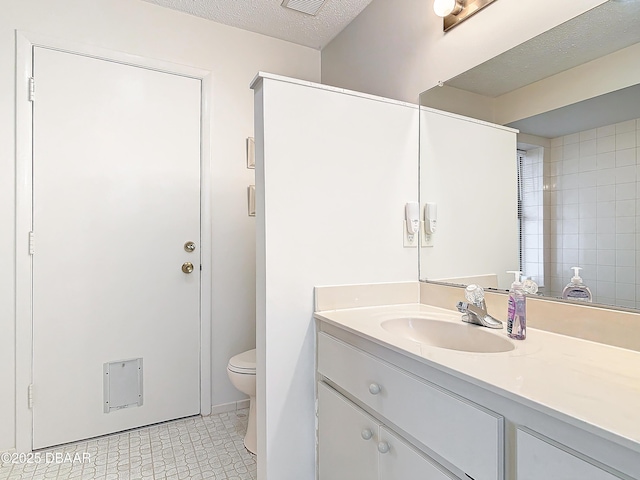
x=229 y=407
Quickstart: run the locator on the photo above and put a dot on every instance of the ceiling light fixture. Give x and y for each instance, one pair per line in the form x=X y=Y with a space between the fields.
x=456 y=11
x=444 y=8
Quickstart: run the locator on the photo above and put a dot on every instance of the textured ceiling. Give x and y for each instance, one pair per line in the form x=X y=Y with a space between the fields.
x=270 y=18
x=600 y=31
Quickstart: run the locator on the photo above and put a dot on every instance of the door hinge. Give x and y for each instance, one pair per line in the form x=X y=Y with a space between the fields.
x=30 y=396
x=32 y=89
x=31 y=243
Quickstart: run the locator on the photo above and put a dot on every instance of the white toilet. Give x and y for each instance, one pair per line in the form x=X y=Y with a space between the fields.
x=242 y=373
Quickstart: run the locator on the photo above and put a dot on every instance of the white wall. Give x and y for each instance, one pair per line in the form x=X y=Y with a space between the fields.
x=398 y=49
x=234 y=56
x=571 y=86
x=334 y=172
x=469 y=169
x=459 y=101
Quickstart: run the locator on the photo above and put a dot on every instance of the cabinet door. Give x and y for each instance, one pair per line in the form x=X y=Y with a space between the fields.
x=347 y=439
x=399 y=461
x=540 y=460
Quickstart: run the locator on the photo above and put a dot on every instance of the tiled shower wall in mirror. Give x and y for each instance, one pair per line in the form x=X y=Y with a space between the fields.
x=592 y=212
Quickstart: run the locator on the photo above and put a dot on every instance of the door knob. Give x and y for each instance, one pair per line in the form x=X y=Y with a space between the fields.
x=187 y=267
x=189 y=247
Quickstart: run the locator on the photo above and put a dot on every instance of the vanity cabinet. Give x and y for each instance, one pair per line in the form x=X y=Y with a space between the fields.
x=554 y=408
x=354 y=445
x=539 y=459
x=446 y=424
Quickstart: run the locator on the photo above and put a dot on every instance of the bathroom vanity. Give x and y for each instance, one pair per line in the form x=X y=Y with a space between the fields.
x=401 y=397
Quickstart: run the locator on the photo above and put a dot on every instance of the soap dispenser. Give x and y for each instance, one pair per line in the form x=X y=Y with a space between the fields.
x=517 y=311
x=575 y=289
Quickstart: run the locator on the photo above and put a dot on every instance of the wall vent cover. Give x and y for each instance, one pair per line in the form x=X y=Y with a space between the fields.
x=310 y=7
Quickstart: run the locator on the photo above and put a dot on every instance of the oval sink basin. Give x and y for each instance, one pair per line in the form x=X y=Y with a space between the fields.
x=453 y=336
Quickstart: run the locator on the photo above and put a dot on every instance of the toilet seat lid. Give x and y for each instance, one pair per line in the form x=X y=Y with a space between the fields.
x=244 y=362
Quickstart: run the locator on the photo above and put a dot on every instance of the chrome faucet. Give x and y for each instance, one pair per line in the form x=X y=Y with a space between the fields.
x=477 y=315
x=475 y=309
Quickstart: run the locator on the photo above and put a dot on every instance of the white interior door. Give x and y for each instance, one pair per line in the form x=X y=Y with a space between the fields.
x=116 y=182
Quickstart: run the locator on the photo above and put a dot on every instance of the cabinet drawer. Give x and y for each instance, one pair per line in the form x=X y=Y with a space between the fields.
x=538 y=459
x=469 y=437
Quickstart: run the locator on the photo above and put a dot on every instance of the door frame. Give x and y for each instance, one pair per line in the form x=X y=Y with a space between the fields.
x=25 y=41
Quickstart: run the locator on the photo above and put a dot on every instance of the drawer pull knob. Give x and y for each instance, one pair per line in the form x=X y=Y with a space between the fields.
x=366 y=434
x=383 y=447
x=374 y=389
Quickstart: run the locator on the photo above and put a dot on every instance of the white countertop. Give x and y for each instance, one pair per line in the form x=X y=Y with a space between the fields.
x=588 y=384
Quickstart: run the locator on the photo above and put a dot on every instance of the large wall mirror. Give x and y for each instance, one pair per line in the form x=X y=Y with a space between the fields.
x=572 y=195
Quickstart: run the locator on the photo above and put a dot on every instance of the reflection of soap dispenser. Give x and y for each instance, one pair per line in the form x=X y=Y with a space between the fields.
x=575 y=289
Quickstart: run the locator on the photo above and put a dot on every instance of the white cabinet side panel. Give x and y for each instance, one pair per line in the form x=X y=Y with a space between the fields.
x=337 y=172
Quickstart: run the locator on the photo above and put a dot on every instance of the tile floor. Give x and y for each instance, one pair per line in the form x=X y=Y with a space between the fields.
x=193 y=448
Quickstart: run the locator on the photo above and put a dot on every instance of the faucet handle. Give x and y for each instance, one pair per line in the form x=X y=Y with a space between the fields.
x=474 y=294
